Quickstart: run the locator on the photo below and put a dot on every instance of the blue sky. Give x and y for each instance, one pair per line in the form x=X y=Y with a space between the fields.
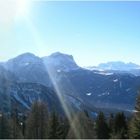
x=93 y=32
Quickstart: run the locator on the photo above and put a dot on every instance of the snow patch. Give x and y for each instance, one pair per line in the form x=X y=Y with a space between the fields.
x=115 y=80
x=88 y=94
x=103 y=94
x=109 y=73
x=104 y=73
x=58 y=70
x=134 y=111
x=27 y=63
x=128 y=89
x=120 y=84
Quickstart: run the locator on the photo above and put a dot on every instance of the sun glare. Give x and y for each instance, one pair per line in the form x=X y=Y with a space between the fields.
x=11 y=10
x=22 y=7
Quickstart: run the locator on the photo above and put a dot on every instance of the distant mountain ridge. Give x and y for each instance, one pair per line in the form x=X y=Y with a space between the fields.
x=118 y=65
x=115 y=65
x=66 y=61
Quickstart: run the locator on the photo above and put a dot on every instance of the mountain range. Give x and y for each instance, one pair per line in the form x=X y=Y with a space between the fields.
x=117 y=67
x=62 y=84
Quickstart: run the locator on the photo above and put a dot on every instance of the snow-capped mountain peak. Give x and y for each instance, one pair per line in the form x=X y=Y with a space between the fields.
x=60 y=61
x=59 y=54
x=25 y=58
x=22 y=61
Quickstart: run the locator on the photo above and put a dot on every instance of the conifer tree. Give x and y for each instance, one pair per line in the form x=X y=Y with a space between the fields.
x=55 y=128
x=111 y=123
x=5 y=132
x=23 y=124
x=81 y=127
x=37 y=121
x=65 y=127
x=15 y=125
x=102 y=129
x=134 y=131
x=120 y=127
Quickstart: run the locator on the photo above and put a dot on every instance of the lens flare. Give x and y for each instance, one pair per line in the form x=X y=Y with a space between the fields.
x=11 y=10
x=67 y=110
x=7 y=11
x=23 y=7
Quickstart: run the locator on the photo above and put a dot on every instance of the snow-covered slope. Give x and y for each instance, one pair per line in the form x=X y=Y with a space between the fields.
x=100 y=90
x=23 y=95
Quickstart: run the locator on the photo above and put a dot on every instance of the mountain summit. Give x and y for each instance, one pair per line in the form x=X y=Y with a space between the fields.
x=24 y=60
x=60 y=61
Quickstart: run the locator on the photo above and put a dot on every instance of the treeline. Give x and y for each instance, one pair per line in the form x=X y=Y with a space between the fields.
x=40 y=124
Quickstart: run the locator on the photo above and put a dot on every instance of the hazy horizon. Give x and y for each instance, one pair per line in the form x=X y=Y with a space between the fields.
x=68 y=54
x=93 y=32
